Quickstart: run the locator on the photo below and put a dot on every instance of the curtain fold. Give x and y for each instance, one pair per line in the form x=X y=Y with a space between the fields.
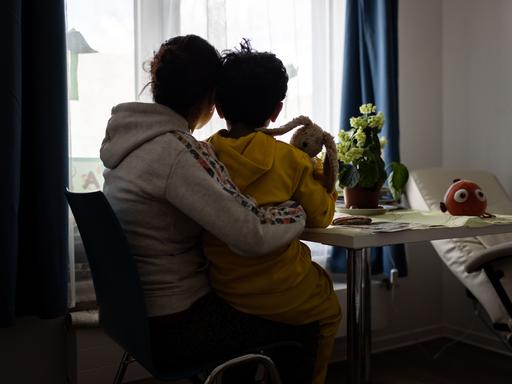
x=370 y=75
x=34 y=158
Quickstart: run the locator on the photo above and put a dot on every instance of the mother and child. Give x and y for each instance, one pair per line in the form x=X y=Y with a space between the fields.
x=213 y=226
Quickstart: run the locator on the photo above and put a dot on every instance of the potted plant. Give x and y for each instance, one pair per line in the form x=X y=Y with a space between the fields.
x=362 y=171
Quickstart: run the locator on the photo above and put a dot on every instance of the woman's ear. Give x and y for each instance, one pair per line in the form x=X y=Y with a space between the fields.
x=276 y=112
x=219 y=110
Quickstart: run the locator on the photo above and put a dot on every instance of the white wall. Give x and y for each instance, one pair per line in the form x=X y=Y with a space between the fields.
x=420 y=82
x=477 y=101
x=477 y=86
x=455 y=61
x=455 y=92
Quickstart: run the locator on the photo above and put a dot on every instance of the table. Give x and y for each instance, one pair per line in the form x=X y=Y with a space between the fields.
x=358 y=243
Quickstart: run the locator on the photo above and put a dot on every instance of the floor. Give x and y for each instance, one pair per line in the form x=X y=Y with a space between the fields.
x=438 y=361
x=417 y=364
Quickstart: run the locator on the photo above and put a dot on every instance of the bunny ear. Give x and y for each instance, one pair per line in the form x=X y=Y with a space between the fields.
x=301 y=120
x=330 y=144
x=330 y=163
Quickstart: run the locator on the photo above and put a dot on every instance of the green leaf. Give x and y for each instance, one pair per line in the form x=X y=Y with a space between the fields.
x=382 y=171
x=348 y=175
x=397 y=179
x=369 y=171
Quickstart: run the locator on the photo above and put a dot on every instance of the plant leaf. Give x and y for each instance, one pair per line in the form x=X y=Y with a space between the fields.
x=348 y=175
x=369 y=171
x=397 y=179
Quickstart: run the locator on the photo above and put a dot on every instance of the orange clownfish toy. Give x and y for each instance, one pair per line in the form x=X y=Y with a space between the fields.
x=465 y=198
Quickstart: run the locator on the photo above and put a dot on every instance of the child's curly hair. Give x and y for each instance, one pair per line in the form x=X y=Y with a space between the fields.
x=184 y=72
x=251 y=85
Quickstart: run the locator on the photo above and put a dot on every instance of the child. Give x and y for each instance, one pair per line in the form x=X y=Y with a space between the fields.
x=285 y=285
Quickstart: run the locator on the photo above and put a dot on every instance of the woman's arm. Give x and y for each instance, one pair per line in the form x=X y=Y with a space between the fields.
x=201 y=188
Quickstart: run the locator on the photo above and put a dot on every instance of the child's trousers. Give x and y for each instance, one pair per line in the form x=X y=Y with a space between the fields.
x=313 y=300
x=328 y=314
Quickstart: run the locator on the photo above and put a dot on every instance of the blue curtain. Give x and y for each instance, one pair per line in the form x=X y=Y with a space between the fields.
x=34 y=159
x=370 y=75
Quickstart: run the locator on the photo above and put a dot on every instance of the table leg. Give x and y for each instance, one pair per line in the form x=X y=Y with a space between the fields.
x=359 y=315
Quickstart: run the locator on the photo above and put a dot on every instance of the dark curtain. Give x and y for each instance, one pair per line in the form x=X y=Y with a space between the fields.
x=34 y=158
x=370 y=75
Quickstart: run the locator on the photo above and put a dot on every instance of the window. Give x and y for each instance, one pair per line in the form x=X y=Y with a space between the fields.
x=110 y=43
x=307 y=35
x=100 y=75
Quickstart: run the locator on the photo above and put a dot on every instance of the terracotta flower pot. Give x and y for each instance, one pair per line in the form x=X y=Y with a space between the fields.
x=358 y=197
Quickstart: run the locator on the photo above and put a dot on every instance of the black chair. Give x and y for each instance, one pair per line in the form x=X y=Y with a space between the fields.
x=122 y=310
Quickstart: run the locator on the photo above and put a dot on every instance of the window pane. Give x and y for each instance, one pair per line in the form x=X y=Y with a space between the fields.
x=282 y=27
x=103 y=78
x=100 y=75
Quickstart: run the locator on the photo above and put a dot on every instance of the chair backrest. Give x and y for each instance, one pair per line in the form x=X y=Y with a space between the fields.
x=427 y=186
x=119 y=294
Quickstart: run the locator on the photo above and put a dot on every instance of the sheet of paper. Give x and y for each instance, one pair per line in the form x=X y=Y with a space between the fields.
x=437 y=218
x=386 y=226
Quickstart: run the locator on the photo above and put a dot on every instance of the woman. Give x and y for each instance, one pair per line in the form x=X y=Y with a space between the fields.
x=165 y=187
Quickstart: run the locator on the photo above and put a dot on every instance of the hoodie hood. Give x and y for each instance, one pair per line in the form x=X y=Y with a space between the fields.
x=133 y=124
x=248 y=158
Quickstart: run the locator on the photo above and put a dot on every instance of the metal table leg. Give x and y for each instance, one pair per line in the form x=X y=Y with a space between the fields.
x=359 y=316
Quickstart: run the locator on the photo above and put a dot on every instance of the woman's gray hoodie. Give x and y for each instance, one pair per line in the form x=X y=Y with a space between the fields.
x=165 y=187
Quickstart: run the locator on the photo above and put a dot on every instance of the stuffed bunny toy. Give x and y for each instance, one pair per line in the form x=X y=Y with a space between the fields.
x=310 y=138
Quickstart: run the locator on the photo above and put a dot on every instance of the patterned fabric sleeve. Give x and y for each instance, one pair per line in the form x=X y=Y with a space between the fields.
x=286 y=213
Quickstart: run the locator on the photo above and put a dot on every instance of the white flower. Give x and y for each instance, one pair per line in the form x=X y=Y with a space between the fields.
x=360 y=137
x=367 y=108
x=353 y=144
x=376 y=121
x=344 y=136
x=352 y=155
x=358 y=122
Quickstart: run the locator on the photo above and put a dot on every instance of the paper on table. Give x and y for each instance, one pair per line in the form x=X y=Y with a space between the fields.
x=436 y=218
x=386 y=226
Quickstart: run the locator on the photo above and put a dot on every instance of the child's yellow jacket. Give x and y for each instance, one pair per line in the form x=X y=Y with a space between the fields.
x=279 y=284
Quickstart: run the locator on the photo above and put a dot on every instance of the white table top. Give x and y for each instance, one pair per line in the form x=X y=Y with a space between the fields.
x=349 y=237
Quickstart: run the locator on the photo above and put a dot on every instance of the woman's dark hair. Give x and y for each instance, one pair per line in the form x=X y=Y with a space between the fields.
x=251 y=85
x=184 y=72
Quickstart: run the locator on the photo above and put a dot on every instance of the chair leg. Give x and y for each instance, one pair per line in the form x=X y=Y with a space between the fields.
x=121 y=370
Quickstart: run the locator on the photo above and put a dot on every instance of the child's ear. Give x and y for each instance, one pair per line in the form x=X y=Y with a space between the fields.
x=219 y=110
x=276 y=112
